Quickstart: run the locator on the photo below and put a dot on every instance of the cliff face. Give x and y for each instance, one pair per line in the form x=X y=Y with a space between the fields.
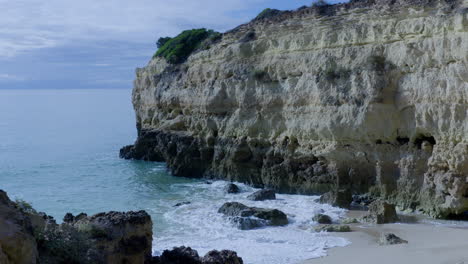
x=366 y=96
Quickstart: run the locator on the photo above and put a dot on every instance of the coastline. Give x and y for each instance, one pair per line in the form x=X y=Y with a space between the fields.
x=427 y=243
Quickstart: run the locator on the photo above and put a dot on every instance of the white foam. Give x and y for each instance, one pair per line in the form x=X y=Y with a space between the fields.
x=199 y=226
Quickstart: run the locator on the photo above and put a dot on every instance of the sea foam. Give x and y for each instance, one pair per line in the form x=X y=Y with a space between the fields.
x=199 y=226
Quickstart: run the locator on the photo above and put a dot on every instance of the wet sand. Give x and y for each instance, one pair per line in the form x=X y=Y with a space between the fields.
x=427 y=243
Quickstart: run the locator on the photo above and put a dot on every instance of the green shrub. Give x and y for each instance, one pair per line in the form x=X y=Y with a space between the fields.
x=24 y=206
x=268 y=13
x=320 y=3
x=178 y=49
x=162 y=41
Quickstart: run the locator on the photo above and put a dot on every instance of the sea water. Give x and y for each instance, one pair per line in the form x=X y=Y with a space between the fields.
x=59 y=151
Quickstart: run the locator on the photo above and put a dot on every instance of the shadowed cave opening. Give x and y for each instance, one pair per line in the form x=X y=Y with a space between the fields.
x=421 y=138
x=458 y=217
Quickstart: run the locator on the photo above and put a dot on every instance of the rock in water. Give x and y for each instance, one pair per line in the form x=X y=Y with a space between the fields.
x=232 y=188
x=391 y=239
x=301 y=118
x=381 y=212
x=333 y=228
x=182 y=203
x=222 y=257
x=247 y=218
x=322 y=219
x=262 y=195
x=341 y=198
x=17 y=243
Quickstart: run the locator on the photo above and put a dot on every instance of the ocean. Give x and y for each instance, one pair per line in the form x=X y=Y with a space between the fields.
x=59 y=151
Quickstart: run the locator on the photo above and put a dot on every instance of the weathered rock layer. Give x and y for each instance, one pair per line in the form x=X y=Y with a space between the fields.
x=367 y=96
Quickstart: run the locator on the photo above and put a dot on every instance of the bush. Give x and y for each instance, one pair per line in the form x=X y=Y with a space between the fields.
x=268 y=13
x=24 y=206
x=320 y=3
x=162 y=41
x=177 y=50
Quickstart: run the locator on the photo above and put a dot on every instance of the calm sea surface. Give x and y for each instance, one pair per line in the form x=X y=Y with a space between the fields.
x=59 y=151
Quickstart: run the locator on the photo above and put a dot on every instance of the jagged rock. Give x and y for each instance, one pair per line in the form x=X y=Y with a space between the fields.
x=340 y=198
x=246 y=218
x=333 y=228
x=322 y=219
x=231 y=188
x=180 y=255
x=69 y=218
x=303 y=119
x=262 y=195
x=182 y=203
x=381 y=212
x=187 y=255
x=222 y=257
x=103 y=238
x=390 y=239
x=16 y=234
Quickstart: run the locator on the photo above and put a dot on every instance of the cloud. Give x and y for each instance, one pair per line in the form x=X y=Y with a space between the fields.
x=27 y=25
x=8 y=77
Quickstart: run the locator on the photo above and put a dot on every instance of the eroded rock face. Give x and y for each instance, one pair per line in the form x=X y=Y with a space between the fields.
x=365 y=95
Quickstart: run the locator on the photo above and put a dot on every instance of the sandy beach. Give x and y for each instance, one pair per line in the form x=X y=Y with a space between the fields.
x=427 y=243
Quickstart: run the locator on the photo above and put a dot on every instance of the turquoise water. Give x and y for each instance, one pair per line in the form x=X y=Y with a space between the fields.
x=59 y=151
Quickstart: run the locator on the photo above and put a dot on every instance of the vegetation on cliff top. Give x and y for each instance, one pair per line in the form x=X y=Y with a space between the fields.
x=178 y=49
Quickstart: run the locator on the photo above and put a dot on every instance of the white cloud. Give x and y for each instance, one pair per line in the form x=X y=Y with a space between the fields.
x=9 y=77
x=27 y=25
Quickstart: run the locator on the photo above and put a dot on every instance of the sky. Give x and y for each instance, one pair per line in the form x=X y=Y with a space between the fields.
x=86 y=44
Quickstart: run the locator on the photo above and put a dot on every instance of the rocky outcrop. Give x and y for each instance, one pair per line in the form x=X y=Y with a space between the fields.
x=28 y=237
x=17 y=242
x=187 y=255
x=115 y=237
x=366 y=96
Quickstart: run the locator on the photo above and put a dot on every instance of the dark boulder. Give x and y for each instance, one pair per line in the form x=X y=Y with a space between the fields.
x=186 y=255
x=231 y=188
x=222 y=257
x=182 y=203
x=180 y=255
x=341 y=198
x=390 y=239
x=322 y=219
x=245 y=217
x=262 y=195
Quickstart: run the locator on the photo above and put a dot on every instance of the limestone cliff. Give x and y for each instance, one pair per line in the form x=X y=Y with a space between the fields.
x=371 y=95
